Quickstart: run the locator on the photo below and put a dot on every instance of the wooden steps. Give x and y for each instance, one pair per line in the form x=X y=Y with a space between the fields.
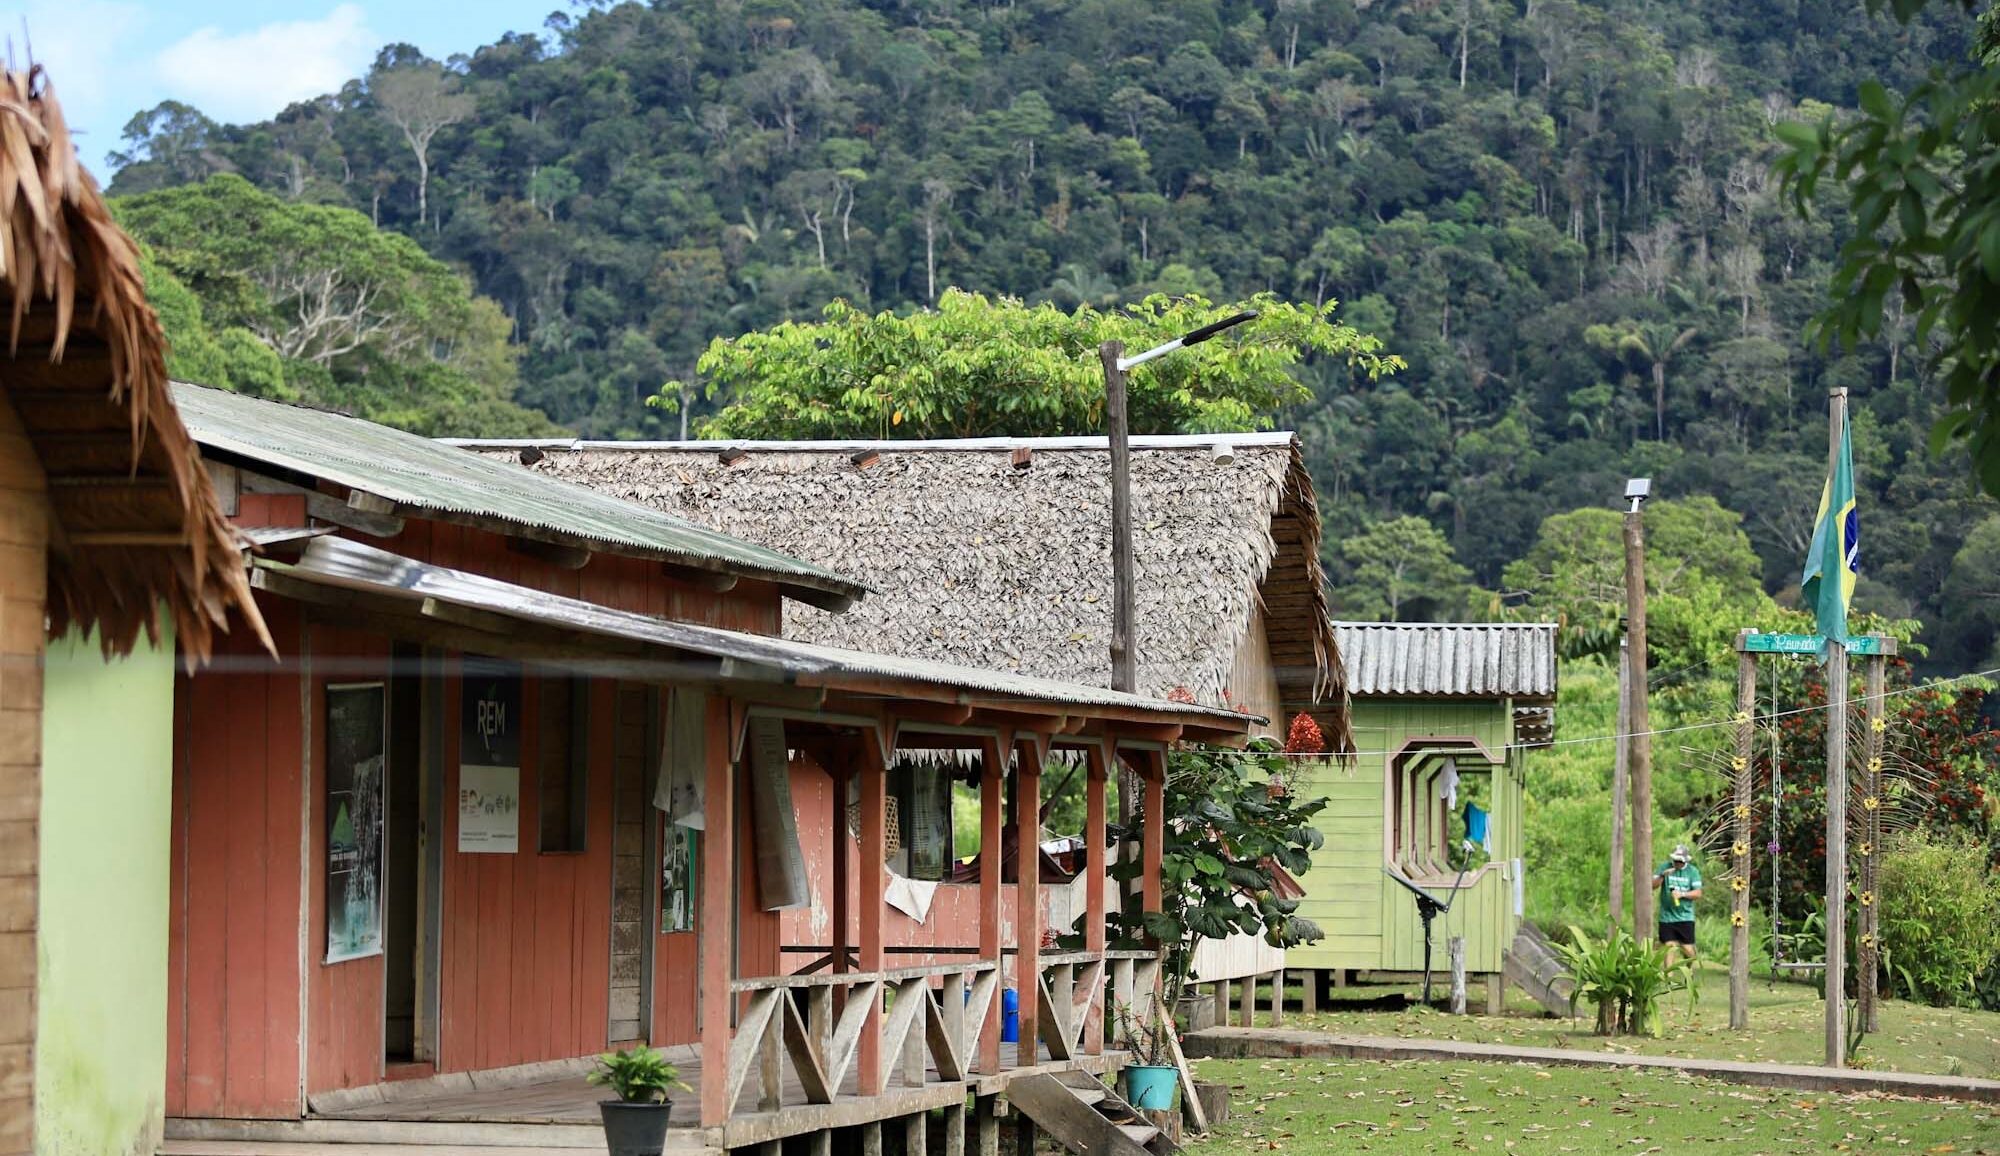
x=1533 y=966
x=1085 y=1117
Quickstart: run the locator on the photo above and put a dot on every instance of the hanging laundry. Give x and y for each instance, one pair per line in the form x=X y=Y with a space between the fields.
x=1477 y=830
x=1448 y=785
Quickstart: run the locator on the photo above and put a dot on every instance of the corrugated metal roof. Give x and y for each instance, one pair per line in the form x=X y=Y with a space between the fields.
x=354 y=566
x=1471 y=659
x=420 y=475
x=914 y=445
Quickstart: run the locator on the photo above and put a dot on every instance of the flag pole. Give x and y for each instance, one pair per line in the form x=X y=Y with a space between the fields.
x=1836 y=780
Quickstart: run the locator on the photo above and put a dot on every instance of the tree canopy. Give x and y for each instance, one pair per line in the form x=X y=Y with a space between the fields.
x=975 y=367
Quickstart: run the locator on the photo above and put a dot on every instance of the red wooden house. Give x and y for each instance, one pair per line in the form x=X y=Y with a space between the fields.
x=517 y=789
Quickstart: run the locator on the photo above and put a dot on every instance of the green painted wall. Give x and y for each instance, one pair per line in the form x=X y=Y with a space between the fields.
x=107 y=791
x=1370 y=921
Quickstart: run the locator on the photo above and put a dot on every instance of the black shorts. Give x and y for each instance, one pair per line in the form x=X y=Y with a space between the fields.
x=1681 y=932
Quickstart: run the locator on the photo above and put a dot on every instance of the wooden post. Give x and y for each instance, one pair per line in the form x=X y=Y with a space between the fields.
x=843 y=858
x=1155 y=834
x=871 y=1138
x=1277 y=999
x=986 y=1125
x=1456 y=947
x=1836 y=794
x=1496 y=993
x=1741 y=774
x=1620 y=783
x=954 y=1129
x=1096 y=772
x=1868 y=950
x=24 y=567
x=1124 y=662
x=916 y=1134
x=993 y=761
x=1309 y=991
x=717 y=946
x=1638 y=722
x=1028 y=895
x=1246 y=1001
x=874 y=878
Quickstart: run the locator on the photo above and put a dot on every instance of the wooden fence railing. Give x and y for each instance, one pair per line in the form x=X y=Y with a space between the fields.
x=811 y=1024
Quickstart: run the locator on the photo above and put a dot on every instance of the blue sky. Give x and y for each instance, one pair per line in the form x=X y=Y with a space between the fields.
x=236 y=60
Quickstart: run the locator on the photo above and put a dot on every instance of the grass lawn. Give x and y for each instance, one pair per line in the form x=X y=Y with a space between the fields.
x=1315 y=1106
x=1786 y=1026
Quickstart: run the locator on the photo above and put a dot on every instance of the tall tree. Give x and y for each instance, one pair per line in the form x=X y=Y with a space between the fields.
x=420 y=100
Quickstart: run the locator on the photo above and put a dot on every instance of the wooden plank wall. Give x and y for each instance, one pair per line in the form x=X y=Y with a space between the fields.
x=23 y=579
x=630 y=880
x=233 y=1043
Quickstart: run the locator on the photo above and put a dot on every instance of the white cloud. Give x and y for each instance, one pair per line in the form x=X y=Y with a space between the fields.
x=255 y=74
x=82 y=43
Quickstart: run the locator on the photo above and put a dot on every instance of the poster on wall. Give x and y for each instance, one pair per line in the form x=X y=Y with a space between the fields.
x=679 y=857
x=489 y=758
x=356 y=756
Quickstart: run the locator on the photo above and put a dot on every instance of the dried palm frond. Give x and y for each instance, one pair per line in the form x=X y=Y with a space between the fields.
x=61 y=251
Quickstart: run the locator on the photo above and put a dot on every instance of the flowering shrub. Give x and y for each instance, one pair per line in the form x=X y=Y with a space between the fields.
x=1304 y=737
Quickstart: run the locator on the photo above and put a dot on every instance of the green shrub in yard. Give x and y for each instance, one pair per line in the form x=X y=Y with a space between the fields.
x=1940 y=917
x=1626 y=979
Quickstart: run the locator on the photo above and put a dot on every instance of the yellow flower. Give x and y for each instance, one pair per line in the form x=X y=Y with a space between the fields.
x=1879 y=725
x=1743 y=810
x=1867 y=849
x=1867 y=941
x=1742 y=716
x=1740 y=850
x=1872 y=803
x=1739 y=884
x=1739 y=762
x=1736 y=919
x=1867 y=899
x=1875 y=764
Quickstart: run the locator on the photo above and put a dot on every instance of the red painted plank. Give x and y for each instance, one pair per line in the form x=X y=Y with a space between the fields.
x=284 y=757
x=246 y=851
x=207 y=874
x=177 y=902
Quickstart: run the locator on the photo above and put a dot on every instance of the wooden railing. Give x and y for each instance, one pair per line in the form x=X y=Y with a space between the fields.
x=932 y=1018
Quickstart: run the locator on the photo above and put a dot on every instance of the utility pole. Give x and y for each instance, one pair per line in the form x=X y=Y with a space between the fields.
x=1124 y=596
x=1620 y=774
x=1637 y=717
x=1124 y=601
x=1836 y=784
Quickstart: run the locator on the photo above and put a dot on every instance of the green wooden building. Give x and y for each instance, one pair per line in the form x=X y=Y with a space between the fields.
x=1443 y=714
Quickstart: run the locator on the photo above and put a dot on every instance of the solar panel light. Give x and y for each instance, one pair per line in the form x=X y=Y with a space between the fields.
x=1638 y=490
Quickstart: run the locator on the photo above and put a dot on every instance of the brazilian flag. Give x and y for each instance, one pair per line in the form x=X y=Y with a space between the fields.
x=1834 y=558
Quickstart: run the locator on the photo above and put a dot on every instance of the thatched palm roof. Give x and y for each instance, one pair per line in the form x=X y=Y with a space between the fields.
x=975 y=560
x=135 y=526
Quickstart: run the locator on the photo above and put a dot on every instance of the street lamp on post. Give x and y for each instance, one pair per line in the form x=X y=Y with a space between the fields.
x=1124 y=659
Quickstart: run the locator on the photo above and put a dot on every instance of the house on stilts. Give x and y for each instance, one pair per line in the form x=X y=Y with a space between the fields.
x=994 y=552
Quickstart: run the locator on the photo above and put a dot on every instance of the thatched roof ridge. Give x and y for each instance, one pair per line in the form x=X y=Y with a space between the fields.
x=980 y=562
x=136 y=527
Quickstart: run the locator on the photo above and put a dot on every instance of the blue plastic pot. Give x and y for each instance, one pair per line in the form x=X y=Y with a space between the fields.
x=1010 y=1016
x=1151 y=1088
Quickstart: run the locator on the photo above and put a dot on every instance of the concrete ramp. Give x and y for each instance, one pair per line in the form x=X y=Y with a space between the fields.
x=1533 y=966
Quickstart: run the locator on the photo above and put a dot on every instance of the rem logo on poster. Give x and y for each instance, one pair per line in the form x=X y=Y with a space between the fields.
x=491 y=718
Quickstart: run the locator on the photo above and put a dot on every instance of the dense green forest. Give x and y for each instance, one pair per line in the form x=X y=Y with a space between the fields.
x=1560 y=213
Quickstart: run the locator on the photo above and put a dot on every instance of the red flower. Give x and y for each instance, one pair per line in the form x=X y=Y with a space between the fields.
x=1304 y=738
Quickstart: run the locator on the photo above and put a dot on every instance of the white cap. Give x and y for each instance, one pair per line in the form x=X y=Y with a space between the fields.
x=1680 y=854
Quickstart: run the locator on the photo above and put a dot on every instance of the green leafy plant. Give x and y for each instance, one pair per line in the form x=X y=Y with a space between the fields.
x=1626 y=979
x=1228 y=833
x=638 y=1075
x=1940 y=916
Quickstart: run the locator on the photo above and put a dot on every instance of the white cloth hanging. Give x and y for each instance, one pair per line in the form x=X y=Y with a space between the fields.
x=1448 y=784
x=683 y=786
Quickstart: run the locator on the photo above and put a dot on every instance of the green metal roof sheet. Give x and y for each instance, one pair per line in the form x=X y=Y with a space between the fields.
x=420 y=475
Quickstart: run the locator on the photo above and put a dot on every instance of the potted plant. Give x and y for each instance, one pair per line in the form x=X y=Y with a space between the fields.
x=635 y=1124
x=1151 y=1080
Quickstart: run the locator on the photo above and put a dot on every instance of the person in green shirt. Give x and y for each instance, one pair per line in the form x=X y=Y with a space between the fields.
x=1679 y=882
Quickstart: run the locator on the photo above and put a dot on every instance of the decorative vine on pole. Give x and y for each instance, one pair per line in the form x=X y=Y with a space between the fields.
x=1870 y=850
x=1740 y=776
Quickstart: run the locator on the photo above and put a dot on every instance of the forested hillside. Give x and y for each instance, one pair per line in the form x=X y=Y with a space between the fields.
x=1559 y=212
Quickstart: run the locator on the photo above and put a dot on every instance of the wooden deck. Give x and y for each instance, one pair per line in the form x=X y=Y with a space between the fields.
x=560 y=1116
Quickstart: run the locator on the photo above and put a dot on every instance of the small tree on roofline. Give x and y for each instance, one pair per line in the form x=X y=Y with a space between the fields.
x=975 y=366
x=1227 y=835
